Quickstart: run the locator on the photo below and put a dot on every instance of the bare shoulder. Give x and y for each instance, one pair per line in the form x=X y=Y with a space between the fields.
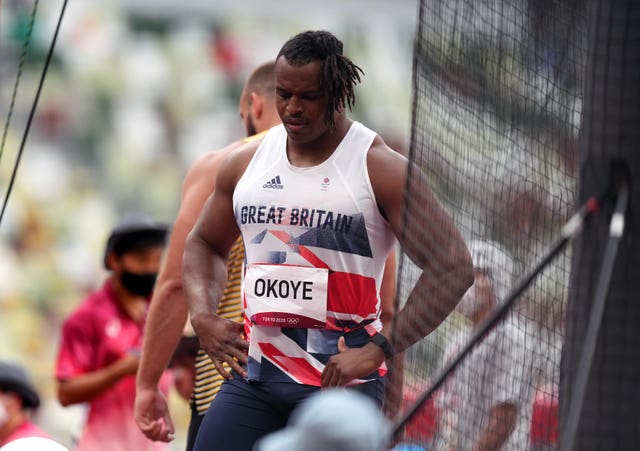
x=209 y=162
x=382 y=160
x=237 y=160
x=387 y=172
x=243 y=152
x=208 y=166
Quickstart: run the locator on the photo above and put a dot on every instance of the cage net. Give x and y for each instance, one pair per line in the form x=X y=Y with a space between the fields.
x=599 y=394
x=497 y=103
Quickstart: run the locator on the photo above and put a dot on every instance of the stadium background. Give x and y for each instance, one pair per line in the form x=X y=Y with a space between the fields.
x=136 y=91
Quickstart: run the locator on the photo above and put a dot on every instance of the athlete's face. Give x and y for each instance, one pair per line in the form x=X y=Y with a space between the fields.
x=300 y=100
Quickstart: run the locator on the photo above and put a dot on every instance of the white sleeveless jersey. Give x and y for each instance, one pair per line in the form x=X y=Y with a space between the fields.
x=323 y=217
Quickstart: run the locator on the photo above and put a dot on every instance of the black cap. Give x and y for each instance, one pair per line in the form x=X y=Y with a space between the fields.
x=136 y=231
x=14 y=378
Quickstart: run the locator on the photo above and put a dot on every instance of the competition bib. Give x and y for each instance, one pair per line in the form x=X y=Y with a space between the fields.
x=286 y=296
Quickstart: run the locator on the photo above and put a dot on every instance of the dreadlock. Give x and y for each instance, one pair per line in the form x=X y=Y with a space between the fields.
x=338 y=74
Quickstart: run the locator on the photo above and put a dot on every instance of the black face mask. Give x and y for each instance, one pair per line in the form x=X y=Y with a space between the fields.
x=140 y=284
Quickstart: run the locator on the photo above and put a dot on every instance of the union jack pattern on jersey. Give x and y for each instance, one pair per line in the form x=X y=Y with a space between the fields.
x=323 y=216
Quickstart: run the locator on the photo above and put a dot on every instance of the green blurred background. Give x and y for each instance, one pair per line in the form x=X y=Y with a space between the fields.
x=137 y=90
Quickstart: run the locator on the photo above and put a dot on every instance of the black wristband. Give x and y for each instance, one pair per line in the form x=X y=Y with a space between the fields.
x=381 y=341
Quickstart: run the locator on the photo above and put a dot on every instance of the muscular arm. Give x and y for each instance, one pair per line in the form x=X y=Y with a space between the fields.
x=502 y=420
x=430 y=239
x=204 y=271
x=394 y=383
x=388 y=290
x=168 y=311
x=432 y=242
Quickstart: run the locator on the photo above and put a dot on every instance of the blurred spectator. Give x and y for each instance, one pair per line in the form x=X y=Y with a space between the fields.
x=17 y=398
x=419 y=431
x=100 y=347
x=332 y=419
x=544 y=418
x=486 y=403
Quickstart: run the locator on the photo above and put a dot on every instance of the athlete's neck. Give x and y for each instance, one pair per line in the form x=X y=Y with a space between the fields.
x=317 y=151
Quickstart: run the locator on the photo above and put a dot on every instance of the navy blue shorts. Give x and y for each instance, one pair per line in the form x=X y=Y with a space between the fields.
x=243 y=412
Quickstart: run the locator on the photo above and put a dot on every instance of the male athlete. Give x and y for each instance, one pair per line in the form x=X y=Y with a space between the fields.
x=319 y=202
x=168 y=311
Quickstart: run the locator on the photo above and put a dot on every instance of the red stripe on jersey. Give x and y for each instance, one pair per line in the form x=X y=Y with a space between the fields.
x=352 y=294
x=282 y=236
x=348 y=293
x=296 y=366
x=245 y=319
x=302 y=250
x=312 y=258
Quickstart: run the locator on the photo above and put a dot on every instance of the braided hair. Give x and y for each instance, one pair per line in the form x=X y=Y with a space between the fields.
x=338 y=74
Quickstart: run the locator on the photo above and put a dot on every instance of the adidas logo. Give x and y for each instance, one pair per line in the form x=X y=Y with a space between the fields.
x=274 y=183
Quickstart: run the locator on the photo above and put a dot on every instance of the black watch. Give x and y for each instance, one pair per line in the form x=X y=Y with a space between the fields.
x=381 y=341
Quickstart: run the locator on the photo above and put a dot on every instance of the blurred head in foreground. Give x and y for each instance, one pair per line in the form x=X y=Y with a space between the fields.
x=335 y=419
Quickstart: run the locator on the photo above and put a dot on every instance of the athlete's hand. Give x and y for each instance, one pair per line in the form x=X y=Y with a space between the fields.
x=351 y=363
x=152 y=415
x=223 y=341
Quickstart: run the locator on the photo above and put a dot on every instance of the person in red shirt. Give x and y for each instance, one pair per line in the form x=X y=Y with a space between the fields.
x=100 y=346
x=17 y=398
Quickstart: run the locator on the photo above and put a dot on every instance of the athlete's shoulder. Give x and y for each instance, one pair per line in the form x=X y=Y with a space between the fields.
x=235 y=156
x=242 y=154
x=256 y=137
x=251 y=143
x=213 y=157
x=209 y=163
x=387 y=171
x=382 y=152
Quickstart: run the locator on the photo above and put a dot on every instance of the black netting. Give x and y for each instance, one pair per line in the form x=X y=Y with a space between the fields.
x=498 y=93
